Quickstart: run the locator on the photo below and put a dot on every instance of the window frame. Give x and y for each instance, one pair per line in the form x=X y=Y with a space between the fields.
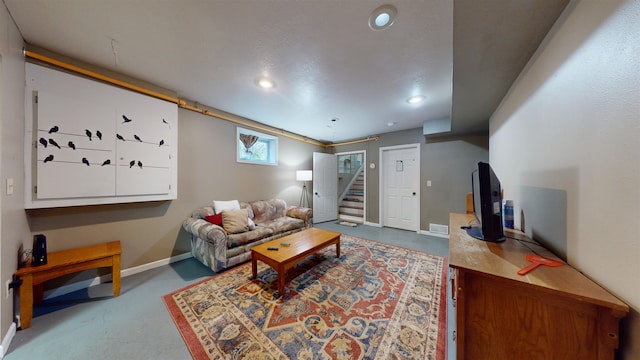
x=270 y=141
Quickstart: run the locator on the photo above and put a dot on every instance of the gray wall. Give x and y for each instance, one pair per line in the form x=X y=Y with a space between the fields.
x=207 y=171
x=566 y=139
x=14 y=223
x=446 y=161
x=149 y=231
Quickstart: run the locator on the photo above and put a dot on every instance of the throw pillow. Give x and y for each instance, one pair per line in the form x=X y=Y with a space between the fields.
x=214 y=219
x=235 y=221
x=219 y=206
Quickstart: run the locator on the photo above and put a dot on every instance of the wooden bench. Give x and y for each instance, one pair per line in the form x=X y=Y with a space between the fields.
x=61 y=263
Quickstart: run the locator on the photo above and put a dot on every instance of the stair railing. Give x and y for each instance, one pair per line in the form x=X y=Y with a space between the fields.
x=347 y=189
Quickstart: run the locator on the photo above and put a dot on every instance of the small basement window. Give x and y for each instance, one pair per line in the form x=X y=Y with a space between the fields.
x=256 y=148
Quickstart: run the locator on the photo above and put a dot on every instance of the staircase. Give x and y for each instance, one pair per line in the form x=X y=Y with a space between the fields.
x=352 y=204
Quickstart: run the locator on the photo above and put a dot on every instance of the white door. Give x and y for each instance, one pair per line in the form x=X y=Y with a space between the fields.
x=400 y=195
x=325 y=187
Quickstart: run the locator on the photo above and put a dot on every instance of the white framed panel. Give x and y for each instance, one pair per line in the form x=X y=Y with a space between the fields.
x=75 y=158
x=80 y=150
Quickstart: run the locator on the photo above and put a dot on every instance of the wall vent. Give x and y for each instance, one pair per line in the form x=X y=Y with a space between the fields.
x=439 y=229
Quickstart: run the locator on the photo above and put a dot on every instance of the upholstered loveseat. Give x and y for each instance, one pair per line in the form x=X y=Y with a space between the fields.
x=223 y=240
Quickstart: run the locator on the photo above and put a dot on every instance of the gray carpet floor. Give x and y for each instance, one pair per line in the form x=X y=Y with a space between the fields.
x=92 y=324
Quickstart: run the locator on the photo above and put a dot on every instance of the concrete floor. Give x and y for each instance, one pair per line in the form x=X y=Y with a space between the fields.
x=91 y=324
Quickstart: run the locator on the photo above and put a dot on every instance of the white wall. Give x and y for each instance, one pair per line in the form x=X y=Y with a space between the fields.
x=14 y=223
x=572 y=122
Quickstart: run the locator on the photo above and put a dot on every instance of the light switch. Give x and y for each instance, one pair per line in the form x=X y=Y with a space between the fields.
x=428 y=183
x=9 y=186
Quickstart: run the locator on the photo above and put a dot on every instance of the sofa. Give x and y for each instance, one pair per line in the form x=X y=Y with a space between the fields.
x=223 y=238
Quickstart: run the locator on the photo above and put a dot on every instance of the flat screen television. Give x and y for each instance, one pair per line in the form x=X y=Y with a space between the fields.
x=487 y=204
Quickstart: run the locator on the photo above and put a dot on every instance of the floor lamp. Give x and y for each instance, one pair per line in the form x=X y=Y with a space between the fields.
x=304 y=176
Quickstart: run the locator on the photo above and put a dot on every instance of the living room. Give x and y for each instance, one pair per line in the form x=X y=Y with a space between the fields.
x=569 y=123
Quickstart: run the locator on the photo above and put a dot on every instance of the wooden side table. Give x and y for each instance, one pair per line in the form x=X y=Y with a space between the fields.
x=65 y=262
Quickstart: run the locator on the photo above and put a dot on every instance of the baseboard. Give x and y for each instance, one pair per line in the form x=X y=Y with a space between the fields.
x=152 y=265
x=6 y=341
x=426 y=232
x=66 y=289
x=372 y=224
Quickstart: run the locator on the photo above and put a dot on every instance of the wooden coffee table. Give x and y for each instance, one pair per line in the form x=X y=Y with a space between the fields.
x=302 y=244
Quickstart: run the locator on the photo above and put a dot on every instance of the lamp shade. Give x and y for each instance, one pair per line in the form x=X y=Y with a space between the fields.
x=304 y=175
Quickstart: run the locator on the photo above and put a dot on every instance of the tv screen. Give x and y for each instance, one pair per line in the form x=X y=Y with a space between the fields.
x=487 y=204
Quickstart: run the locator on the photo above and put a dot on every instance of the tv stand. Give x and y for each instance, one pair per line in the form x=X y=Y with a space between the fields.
x=476 y=232
x=550 y=313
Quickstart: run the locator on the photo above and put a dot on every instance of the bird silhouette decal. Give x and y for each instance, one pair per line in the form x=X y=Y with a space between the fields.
x=88 y=133
x=44 y=142
x=99 y=134
x=131 y=163
x=106 y=162
x=71 y=145
x=137 y=137
x=161 y=143
x=54 y=129
x=54 y=143
x=85 y=161
x=48 y=158
x=119 y=137
x=126 y=119
x=140 y=164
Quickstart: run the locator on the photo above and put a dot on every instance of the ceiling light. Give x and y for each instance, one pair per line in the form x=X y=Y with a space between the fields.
x=382 y=17
x=266 y=83
x=416 y=99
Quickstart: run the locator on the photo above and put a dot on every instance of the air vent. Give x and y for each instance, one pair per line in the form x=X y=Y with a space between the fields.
x=439 y=229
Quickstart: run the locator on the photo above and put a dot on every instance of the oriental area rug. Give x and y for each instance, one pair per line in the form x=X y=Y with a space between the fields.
x=376 y=301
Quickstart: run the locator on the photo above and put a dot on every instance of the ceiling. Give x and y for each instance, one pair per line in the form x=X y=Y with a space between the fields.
x=336 y=79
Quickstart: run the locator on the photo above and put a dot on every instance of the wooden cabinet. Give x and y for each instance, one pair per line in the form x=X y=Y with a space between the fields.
x=550 y=313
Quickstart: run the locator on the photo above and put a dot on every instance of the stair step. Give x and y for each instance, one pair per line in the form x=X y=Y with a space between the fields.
x=350 y=211
x=353 y=204
x=352 y=197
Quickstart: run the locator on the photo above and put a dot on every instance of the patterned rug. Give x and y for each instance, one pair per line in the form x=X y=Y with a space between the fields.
x=375 y=302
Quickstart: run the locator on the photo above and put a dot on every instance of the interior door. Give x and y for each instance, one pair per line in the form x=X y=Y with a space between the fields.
x=325 y=187
x=400 y=187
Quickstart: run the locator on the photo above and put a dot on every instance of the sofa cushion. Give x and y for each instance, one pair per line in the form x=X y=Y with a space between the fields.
x=246 y=205
x=214 y=219
x=235 y=221
x=247 y=237
x=282 y=224
x=265 y=210
x=219 y=206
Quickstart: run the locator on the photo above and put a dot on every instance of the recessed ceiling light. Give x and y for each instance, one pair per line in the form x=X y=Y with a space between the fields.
x=265 y=83
x=416 y=99
x=382 y=17
x=391 y=123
